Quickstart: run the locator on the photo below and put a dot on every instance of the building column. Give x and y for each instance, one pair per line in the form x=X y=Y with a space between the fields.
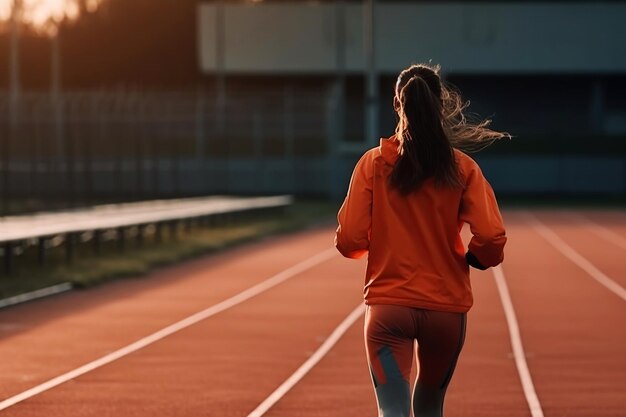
x=597 y=105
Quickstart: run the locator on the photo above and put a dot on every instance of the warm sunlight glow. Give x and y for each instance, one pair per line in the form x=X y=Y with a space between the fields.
x=45 y=14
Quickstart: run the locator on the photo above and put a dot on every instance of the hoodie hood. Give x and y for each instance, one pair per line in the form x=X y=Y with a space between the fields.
x=389 y=149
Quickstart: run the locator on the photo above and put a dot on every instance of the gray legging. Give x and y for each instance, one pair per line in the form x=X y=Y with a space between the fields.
x=390 y=333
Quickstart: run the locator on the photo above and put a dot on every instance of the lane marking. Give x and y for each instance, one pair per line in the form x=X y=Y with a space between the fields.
x=304 y=369
x=173 y=328
x=516 y=343
x=582 y=262
x=601 y=231
x=34 y=295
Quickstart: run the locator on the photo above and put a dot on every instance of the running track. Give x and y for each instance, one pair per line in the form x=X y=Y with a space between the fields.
x=224 y=341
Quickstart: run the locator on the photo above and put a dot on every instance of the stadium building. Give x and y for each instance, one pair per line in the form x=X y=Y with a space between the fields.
x=550 y=73
x=265 y=97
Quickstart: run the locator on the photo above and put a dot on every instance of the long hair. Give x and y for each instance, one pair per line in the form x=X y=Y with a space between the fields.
x=432 y=121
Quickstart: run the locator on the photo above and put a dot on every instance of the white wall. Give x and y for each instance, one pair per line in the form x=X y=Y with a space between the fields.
x=464 y=37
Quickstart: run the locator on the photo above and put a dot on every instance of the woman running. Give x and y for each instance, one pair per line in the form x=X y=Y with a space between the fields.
x=406 y=204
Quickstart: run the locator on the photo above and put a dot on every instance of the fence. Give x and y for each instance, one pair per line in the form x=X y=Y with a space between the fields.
x=84 y=147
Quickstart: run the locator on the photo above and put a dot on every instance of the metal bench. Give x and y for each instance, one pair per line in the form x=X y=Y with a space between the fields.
x=121 y=217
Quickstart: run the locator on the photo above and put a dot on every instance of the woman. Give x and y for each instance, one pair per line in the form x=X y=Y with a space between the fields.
x=405 y=207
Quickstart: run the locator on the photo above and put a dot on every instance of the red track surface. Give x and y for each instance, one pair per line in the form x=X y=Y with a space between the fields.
x=572 y=330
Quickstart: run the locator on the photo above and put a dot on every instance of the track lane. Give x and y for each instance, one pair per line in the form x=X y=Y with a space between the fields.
x=222 y=366
x=486 y=382
x=77 y=327
x=519 y=354
x=171 y=329
x=602 y=229
x=614 y=220
x=571 y=327
x=601 y=252
x=310 y=363
x=339 y=386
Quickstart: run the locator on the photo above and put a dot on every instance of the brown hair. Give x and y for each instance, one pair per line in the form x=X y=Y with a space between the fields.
x=432 y=122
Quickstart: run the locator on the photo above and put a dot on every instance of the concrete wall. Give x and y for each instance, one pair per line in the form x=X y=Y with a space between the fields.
x=468 y=37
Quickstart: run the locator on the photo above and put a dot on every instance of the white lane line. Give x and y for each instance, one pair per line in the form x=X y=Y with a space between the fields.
x=575 y=257
x=34 y=295
x=516 y=343
x=173 y=328
x=601 y=231
x=304 y=369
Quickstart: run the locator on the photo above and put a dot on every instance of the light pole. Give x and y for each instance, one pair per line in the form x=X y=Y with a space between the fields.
x=337 y=100
x=14 y=99
x=220 y=86
x=55 y=91
x=371 y=83
x=55 y=67
x=14 y=59
x=56 y=104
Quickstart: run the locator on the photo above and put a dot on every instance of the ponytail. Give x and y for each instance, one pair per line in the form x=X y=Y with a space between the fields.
x=425 y=150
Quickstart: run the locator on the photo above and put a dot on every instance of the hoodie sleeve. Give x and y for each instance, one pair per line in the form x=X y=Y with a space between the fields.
x=355 y=215
x=479 y=209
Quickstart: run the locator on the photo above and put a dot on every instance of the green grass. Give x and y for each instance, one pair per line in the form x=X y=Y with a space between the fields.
x=88 y=270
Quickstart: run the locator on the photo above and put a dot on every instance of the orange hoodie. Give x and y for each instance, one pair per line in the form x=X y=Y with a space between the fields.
x=416 y=257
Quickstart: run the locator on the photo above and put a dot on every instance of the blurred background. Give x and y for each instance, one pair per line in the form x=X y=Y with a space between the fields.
x=121 y=100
